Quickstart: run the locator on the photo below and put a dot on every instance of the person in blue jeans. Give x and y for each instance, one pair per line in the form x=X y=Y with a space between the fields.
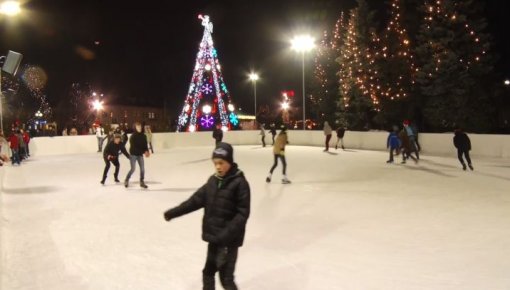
x=137 y=150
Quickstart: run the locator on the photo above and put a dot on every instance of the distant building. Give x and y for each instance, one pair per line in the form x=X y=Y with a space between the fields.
x=112 y=116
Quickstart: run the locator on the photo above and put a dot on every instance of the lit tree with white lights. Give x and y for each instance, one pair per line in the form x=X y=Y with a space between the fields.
x=208 y=100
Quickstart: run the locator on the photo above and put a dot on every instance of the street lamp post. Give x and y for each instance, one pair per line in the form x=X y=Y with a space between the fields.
x=303 y=44
x=254 y=78
x=8 y=8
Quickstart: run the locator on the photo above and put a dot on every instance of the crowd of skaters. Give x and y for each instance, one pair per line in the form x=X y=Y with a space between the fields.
x=226 y=195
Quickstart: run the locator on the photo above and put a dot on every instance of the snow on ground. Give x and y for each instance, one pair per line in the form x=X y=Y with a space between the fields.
x=348 y=221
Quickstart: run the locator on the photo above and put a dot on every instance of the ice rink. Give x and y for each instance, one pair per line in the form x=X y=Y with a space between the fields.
x=348 y=221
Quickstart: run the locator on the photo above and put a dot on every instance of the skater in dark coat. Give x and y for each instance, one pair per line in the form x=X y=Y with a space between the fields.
x=272 y=129
x=463 y=144
x=218 y=134
x=340 y=132
x=226 y=201
x=111 y=155
x=393 y=143
x=406 y=148
x=138 y=147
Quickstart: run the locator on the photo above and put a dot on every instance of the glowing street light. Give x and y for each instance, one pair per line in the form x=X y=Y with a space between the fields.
x=285 y=105
x=254 y=78
x=303 y=44
x=10 y=8
x=507 y=82
x=98 y=105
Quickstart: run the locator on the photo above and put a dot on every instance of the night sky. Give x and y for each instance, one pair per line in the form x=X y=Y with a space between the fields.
x=145 y=53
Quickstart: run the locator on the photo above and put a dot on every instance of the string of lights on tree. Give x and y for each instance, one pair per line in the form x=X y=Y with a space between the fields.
x=445 y=13
x=397 y=56
x=35 y=80
x=358 y=61
x=208 y=101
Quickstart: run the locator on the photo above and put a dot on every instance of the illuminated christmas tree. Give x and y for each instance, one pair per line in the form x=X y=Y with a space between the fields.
x=358 y=74
x=208 y=100
x=325 y=83
x=454 y=65
x=396 y=57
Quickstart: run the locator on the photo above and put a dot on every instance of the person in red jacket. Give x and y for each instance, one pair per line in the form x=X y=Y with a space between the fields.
x=14 y=144
x=26 y=138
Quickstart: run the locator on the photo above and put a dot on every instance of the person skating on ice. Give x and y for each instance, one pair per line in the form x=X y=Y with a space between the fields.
x=101 y=136
x=327 y=132
x=263 y=134
x=406 y=147
x=218 y=134
x=138 y=147
x=393 y=143
x=272 y=129
x=225 y=198
x=411 y=135
x=463 y=144
x=148 y=133
x=340 y=133
x=279 y=153
x=111 y=155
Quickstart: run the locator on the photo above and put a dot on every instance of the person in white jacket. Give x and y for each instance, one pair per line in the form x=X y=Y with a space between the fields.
x=101 y=136
x=327 y=133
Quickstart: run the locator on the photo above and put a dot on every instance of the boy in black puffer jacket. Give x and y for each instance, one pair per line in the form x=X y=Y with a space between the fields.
x=111 y=154
x=226 y=202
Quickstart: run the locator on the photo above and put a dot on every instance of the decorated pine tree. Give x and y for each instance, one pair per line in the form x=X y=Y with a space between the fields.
x=397 y=69
x=454 y=65
x=358 y=75
x=325 y=83
x=208 y=101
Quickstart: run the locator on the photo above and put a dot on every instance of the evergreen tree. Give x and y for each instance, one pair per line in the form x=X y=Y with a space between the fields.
x=358 y=74
x=325 y=83
x=454 y=65
x=397 y=68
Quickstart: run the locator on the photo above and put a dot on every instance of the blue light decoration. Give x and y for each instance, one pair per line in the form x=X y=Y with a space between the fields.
x=224 y=87
x=234 y=120
x=214 y=53
x=207 y=121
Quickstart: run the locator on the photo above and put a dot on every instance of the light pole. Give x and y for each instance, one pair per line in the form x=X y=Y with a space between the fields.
x=38 y=115
x=303 y=44
x=254 y=78
x=8 y=8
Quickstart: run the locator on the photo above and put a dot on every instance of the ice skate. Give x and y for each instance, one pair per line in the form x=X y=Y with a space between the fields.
x=126 y=183
x=117 y=180
x=285 y=180
x=464 y=167
x=102 y=181
x=470 y=167
x=268 y=178
x=143 y=185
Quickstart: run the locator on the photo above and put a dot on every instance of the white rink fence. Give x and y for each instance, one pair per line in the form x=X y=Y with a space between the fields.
x=483 y=145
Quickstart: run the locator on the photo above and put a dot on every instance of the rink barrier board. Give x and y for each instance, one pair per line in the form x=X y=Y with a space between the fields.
x=492 y=146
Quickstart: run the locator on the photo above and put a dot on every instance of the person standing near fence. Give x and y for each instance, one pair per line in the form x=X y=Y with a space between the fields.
x=327 y=132
x=101 y=136
x=263 y=134
x=340 y=133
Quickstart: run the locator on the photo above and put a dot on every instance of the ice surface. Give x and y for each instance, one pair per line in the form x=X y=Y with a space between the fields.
x=348 y=221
